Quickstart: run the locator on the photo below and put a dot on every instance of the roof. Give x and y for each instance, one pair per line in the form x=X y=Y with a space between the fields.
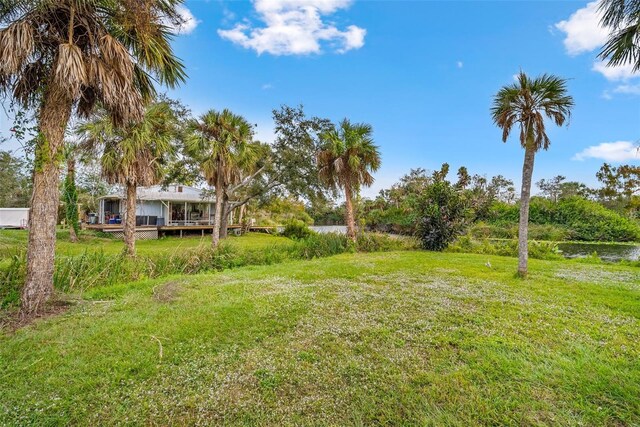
x=172 y=193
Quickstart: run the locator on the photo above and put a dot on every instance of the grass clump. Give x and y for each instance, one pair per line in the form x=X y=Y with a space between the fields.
x=297 y=230
x=509 y=248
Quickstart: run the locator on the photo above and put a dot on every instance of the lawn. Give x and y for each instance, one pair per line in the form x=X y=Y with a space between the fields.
x=400 y=338
x=11 y=240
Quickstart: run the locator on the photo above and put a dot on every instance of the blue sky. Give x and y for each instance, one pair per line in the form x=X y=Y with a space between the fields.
x=422 y=73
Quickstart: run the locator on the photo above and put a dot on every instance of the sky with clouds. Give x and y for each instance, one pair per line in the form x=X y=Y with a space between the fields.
x=422 y=73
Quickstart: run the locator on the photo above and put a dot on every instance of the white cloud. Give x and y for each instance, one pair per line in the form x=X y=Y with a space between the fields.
x=583 y=33
x=295 y=27
x=267 y=86
x=188 y=24
x=619 y=151
x=621 y=72
x=460 y=64
x=628 y=89
x=583 y=30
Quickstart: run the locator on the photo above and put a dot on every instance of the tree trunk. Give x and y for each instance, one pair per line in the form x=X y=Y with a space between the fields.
x=525 y=195
x=241 y=214
x=43 y=217
x=73 y=237
x=130 y=221
x=215 y=237
x=349 y=216
x=224 y=220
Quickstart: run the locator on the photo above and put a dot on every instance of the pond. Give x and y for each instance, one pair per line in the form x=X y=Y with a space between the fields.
x=341 y=229
x=606 y=251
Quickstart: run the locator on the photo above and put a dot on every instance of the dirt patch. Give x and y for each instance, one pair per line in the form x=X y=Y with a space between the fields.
x=167 y=292
x=12 y=320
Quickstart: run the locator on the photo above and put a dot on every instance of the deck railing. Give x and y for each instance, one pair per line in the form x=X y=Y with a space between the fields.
x=183 y=223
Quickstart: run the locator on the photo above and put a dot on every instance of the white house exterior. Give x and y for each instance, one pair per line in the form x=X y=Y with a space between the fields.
x=14 y=217
x=172 y=205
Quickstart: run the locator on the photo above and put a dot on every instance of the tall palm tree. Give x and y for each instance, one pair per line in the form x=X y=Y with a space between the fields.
x=526 y=103
x=133 y=155
x=61 y=56
x=346 y=159
x=221 y=142
x=623 y=45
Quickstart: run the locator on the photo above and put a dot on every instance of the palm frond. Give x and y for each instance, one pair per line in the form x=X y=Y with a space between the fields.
x=347 y=156
x=526 y=102
x=98 y=51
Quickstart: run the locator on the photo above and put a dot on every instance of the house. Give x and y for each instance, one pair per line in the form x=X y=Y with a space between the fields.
x=14 y=217
x=160 y=210
x=174 y=205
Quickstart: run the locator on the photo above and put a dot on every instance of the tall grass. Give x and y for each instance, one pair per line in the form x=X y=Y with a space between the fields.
x=94 y=269
x=538 y=250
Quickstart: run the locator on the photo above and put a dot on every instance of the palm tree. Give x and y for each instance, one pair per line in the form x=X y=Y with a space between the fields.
x=61 y=56
x=346 y=159
x=222 y=144
x=133 y=155
x=525 y=104
x=623 y=45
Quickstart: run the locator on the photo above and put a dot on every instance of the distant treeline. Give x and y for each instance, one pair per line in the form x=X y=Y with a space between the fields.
x=490 y=209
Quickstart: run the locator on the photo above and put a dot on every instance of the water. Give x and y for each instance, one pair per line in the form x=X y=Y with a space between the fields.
x=341 y=229
x=607 y=252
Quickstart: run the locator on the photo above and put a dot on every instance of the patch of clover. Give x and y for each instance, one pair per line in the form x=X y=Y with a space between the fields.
x=629 y=280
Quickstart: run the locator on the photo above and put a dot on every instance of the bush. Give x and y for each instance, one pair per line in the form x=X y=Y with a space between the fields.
x=297 y=230
x=443 y=215
x=573 y=218
x=391 y=220
x=591 y=221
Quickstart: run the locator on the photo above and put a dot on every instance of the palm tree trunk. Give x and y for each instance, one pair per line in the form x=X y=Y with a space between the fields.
x=224 y=220
x=45 y=199
x=525 y=195
x=349 y=217
x=130 y=221
x=215 y=237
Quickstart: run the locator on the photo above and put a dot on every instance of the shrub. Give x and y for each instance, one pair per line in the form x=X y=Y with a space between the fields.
x=593 y=222
x=443 y=215
x=296 y=229
x=393 y=219
x=574 y=218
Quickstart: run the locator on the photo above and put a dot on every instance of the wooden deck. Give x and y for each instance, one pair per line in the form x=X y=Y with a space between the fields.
x=111 y=228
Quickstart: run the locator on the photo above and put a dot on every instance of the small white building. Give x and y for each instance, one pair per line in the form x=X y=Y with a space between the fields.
x=14 y=217
x=162 y=206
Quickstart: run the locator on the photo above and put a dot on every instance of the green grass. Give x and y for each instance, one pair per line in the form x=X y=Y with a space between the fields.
x=12 y=240
x=400 y=338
